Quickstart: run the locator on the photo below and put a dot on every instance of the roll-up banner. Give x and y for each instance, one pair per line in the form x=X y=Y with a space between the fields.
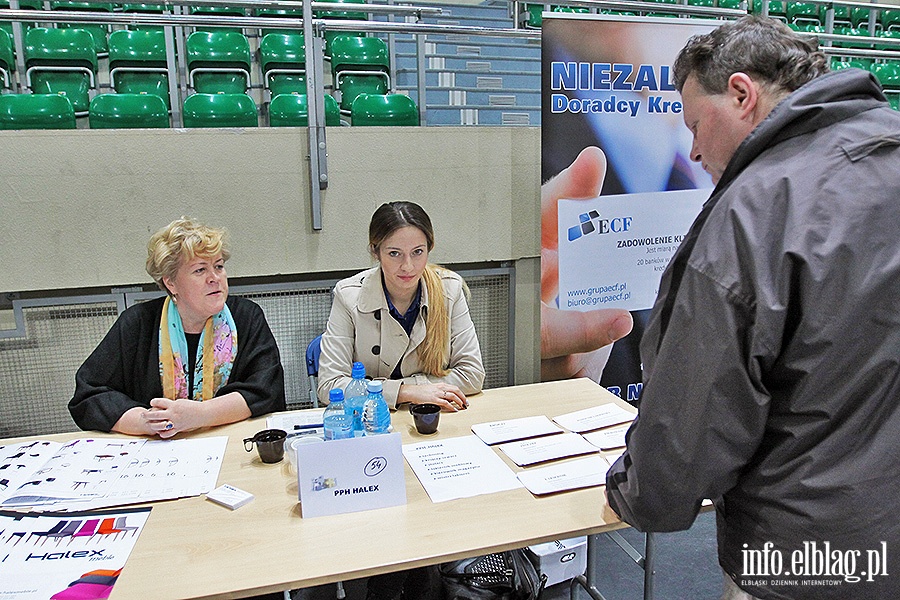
x=607 y=82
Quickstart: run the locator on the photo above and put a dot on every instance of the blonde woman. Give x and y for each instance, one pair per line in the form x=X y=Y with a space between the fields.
x=195 y=358
x=406 y=320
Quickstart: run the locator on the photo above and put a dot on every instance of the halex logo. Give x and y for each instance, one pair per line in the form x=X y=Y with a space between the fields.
x=590 y=222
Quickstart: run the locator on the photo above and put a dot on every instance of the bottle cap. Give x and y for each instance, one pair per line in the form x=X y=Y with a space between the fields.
x=358 y=371
x=336 y=395
x=374 y=386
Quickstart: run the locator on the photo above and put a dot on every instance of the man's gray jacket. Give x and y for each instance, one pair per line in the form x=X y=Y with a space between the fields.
x=772 y=358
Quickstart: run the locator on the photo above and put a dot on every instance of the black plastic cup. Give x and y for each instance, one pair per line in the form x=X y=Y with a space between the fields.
x=269 y=444
x=426 y=417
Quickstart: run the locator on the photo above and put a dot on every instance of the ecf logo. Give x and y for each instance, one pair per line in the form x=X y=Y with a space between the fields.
x=590 y=222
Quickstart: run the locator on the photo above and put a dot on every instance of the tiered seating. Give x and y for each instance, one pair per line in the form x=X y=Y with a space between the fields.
x=220 y=110
x=36 y=111
x=147 y=9
x=61 y=61
x=383 y=109
x=121 y=111
x=137 y=63
x=291 y=110
x=219 y=11
x=359 y=65
x=285 y=13
x=341 y=14
x=218 y=62
x=282 y=59
x=99 y=32
x=890 y=20
x=776 y=9
x=23 y=5
x=7 y=62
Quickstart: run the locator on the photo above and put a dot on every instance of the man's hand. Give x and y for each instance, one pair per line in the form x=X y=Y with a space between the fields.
x=573 y=344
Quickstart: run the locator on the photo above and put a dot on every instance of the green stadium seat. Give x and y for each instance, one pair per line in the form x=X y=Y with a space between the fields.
x=890 y=20
x=888 y=73
x=383 y=109
x=145 y=9
x=841 y=14
x=859 y=18
x=807 y=27
x=282 y=13
x=36 y=111
x=851 y=32
x=341 y=14
x=98 y=31
x=220 y=110
x=894 y=101
x=128 y=111
x=7 y=62
x=704 y=3
x=23 y=5
x=137 y=63
x=533 y=16
x=803 y=12
x=291 y=110
x=219 y=11
x=776 y=9
x=282 y=59
x=359 y=66
x=894 y=35
x=218 y=62
x=732 y=4
x=61 y=61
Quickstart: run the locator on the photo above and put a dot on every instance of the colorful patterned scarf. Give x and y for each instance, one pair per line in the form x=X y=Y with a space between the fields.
x=218 y=340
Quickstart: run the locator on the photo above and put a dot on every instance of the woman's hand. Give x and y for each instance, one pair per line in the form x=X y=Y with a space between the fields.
x=168 y=417
x=448 y=397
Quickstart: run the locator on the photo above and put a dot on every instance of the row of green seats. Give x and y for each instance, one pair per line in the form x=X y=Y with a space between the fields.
x=118 y=111
x=64 y=61
x=808 y=12
x=887 y=72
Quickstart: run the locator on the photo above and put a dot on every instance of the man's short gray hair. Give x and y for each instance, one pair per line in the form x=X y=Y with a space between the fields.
x=765 y=49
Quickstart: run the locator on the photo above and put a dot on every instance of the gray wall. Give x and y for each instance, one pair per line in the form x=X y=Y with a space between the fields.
x=77 y=207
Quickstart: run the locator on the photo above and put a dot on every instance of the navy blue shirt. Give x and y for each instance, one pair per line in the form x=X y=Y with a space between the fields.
x=406 y=320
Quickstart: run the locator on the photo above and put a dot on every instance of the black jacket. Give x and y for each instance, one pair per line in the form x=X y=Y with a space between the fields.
x=772 y=356
x=123 y=371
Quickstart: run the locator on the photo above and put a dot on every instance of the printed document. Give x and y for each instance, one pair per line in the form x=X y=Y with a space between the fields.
x=529 y=452
x=496 y=432
x=570 y=475
x=459 y=467
x=595 y=418
x=608 y=438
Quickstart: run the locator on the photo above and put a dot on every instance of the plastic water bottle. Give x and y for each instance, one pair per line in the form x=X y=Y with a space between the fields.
x=355 y=397
x=376 y=414
x=335 y=408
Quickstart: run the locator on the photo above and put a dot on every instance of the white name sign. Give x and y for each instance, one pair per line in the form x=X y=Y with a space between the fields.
x=342 y=476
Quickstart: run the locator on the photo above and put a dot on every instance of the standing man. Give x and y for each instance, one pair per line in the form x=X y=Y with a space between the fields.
x=772 y=356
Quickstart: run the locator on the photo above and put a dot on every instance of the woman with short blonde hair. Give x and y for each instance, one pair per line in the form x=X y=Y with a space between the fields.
x=194 y=358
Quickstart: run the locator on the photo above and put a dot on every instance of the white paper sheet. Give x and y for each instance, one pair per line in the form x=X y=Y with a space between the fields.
x=91 y=473
x=608 y=438
x=595 y=418
x=496 y=432
x=459 y=467
x=570 y=475
x=536 y=450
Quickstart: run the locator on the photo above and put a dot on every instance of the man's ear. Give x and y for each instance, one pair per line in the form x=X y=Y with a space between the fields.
x=743 y=94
